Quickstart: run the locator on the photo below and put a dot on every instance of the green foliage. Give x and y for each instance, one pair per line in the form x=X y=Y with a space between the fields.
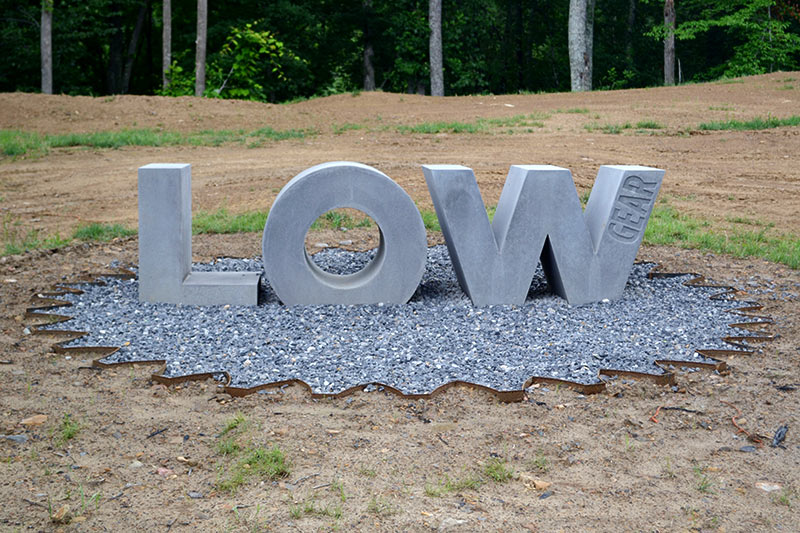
x=67 y=430
x=649 y=125
x=221 y=221
x=341 y=218
x=497 y=469
x=447 y=486
x=761 y=42
x=757 y=123
x=16 y=239
x=16 y=143
x=101 y=232
x=668 y=227
x=258 y=462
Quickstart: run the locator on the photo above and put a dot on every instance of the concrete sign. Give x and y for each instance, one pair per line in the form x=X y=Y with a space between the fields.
x=394 y=273
x=586 y=256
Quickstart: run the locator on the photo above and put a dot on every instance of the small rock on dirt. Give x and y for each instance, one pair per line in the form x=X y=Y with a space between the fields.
x=449 y=523
x=62 y=515
x=19 y=439
x=35 y=420
x=768 y=487
x=136 y=464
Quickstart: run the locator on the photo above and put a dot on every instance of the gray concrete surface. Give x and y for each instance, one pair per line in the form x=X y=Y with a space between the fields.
x=165 y=246
x=586 y=256
x=394 y=273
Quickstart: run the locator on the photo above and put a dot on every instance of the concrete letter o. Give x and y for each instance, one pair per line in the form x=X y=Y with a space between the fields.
x=394 y=273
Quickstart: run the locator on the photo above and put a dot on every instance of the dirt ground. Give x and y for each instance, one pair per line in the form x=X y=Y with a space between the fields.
x=149 y=457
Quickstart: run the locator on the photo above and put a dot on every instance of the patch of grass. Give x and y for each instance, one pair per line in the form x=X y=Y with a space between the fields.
x=228 y=447
x=221 y=221
x=368 y=472
x=574 y=110
x=15 y=142
x=481 y=125
x=442 y=127
x=67 y=430
x=748 y=221
x=539 y=462
x=613 y=129
x=786 y=87
x=237 y=423
x=101 y=232
x=380 y=506
x=257 y=462
x=309 y=507
x=785 y=497
x=498 y=470
x=668 y=227
x=704 y=483
x=649 y=125
x=341 y=218
x=447 y=485
x=17 y=240
x=338 y=129
x=720 y=108
x=757 y=123
x=430 y=220
x=337 y=487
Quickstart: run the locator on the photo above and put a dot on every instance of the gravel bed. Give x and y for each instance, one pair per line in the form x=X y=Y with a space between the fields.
x=436 y=338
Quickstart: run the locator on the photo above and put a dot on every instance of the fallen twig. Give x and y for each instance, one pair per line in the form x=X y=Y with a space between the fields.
x=305 y=478
x=157 y=432
x=750 y=436
x=38 y=504
x=321 y=486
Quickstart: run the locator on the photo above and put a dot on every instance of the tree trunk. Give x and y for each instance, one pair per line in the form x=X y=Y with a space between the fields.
x=369 y=69
x=46 y=45
x=166 y=39
x=114 y=72
x=581 y=43
x=629 y=59
x=133 y=44
x=200 y=59
x=435 y=23
x=669 y=42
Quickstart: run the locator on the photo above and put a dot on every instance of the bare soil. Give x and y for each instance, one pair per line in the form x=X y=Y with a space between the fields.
x=374 y=461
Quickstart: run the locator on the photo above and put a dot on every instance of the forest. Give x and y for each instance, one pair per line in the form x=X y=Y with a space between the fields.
x=284 y=50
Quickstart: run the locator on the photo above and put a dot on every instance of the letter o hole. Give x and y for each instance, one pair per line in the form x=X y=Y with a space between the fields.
x=396 y=269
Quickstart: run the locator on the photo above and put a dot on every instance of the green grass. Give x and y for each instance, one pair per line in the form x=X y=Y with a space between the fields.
x=238 y=422
x=341 y=218
x=649 y=125
x=221 y=221
x=447 y=486
x=574 y=110
x=101 y=232
x=380 y=506
x=17 y=240
x=758 y=123
x=668 y=227
x=613 y=129
x=67 y=430
x=258 y=462
x=338 y=129
x=16 y=143
x=704 y=483
x=481 y=125
x=430 y=220
x=498 y=470
x=539 y=462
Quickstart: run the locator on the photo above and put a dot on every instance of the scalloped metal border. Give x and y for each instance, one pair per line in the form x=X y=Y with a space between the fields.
x=49 y=300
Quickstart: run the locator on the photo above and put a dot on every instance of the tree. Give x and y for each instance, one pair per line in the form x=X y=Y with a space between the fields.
x=581 y=43
x=166 y=39
x=435 y=23
x=369 y=52
x=200 y=57
x=46 y=45
x=669 y=42
x=133 y=45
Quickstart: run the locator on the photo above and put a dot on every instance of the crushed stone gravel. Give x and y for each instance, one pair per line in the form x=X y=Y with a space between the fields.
x=436 y=338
